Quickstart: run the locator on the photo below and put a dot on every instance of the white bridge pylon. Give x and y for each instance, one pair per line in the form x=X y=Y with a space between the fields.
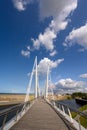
x=48 y=85
x=34 y=72
x=37 y=89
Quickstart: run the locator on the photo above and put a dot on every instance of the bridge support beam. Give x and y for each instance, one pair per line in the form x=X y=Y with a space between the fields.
x=36 y=78
x=47 y=82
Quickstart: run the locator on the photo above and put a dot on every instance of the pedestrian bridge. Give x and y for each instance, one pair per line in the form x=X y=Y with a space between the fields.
x=40 y=117
x=42 y=113
x=39 y=114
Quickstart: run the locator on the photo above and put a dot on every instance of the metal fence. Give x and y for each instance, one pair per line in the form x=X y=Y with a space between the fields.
x=76 y=117
x=7 y=114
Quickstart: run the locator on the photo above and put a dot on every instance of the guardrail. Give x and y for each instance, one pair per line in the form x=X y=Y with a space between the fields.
x=68 y=112
x=11 y=115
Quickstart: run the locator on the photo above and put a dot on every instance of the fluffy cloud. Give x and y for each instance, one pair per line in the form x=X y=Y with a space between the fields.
x=53 y=53
x=20 y=5
x=77 y=36
x=55 y=7
x=59 y=11
x=45 y=40
x=44 y=63
x=51 y=86
x=69 y=85
x=25 y=53
x=83 y=75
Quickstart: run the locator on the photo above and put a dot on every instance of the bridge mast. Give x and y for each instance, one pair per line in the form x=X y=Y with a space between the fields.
x=36 y=82
x=47 y=82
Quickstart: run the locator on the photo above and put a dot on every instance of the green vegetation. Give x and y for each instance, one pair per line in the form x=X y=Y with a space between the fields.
x=73 y=114
x=79 y=95
x=69 y=97
x=83 y=108
x=83 y=120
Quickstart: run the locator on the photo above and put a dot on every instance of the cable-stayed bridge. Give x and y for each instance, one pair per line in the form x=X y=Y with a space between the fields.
x=42 y=113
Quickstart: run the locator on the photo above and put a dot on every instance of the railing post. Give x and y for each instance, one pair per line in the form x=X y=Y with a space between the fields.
x=79 y=123
x=4 y=120
x=59 y=106
x=70 y=115
x=63 y=110
x=17 y=114
x=54 y=103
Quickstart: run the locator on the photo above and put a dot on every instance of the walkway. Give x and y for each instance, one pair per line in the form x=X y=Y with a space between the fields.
x=40 y=117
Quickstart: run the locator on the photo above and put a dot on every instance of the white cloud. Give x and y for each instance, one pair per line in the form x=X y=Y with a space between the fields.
x=20 y=5
x=45 y=40
x=44 y=63
x=54 y=7
x=83 y=75
x=28 y=48
x=59 y=11
x=69 y=85
x=53 y=53
x=25 y=53
x=51 y=86
x=77 y=36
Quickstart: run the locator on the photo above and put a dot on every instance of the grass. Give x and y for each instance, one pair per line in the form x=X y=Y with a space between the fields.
x=14 y=97
x=83 y=108
x=61 y=97
x=83 y=120
x=73 y=114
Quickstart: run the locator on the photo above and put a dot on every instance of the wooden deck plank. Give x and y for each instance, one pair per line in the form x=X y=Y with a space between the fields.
x=40 y=117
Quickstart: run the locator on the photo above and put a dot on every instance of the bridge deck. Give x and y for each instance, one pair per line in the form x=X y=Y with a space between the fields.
x=40 y=117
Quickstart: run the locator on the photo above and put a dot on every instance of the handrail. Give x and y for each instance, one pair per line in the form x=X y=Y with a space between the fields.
x=13 y=107
x=74 y=110
x=7 y=110
x=66 y=112
x=13 y=112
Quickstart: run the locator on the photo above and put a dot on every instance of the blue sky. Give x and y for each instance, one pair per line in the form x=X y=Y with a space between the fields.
x=55 y=31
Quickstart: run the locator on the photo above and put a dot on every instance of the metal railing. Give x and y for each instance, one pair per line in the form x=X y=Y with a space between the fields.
x=13 y=113
x=74 y=116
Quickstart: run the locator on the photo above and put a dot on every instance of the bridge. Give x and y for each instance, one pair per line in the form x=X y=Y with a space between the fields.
x=41 y=113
